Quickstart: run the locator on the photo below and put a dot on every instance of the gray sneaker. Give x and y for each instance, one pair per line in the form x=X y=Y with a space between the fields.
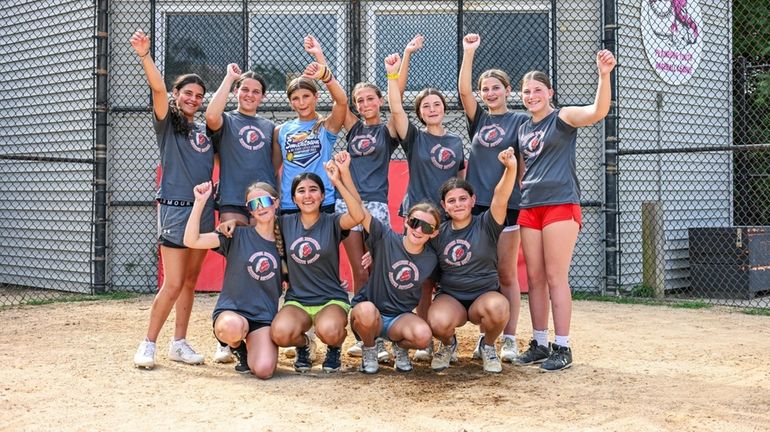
x=560 y=358
x=383 y=355
x=443 y=356
x=491 y=360
x=369 y=363
x=534 y=354
x=356 y=350
x=402 y=363
x=509 y=350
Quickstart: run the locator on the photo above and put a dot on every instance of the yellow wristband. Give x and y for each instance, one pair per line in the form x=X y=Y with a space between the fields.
x=391 y=76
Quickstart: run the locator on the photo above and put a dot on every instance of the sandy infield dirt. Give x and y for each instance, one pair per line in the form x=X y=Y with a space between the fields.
x=68 y=366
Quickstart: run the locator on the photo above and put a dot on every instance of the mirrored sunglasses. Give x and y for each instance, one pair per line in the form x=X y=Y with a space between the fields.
x=414 y=223
x=260 y=202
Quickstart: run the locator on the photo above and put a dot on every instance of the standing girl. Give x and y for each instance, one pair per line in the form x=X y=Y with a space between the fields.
x=187 y=159
x=252 y=285
x=306 y=143
x=433 y=154
x=467 y=252
x=243 y=141
x=491 y=131
x=315 y=295
x=550 y=218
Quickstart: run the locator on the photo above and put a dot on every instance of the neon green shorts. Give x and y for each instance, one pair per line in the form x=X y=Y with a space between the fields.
x=313 y=310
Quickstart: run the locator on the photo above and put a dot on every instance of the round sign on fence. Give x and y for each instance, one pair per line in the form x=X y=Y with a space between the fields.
x=673 y=38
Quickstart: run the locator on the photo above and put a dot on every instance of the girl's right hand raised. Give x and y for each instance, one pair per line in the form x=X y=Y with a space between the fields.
x=233 y=71
x=202 y=191
x=312 y=46
x=140 y=42
x=414 y=44
x=471 y=41
x=392 y=63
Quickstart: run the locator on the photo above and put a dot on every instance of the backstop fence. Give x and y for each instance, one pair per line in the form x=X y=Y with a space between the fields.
x=675 y=182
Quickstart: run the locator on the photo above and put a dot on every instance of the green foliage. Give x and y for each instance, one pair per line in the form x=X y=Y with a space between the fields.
x=751 y=29
x=643 y=291
x=756 y=311
x=81 y=298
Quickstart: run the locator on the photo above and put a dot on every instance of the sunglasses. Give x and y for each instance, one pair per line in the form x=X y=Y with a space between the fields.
x=415 y=223
x=260 y=202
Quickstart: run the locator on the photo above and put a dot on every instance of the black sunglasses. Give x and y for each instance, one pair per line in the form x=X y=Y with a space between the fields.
x=414 y=223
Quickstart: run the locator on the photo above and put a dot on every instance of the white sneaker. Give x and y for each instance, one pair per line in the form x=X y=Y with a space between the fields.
x=181 y=351
x=383 y=355
x=443 y=356
x=491 y=361
x=477 y=352
x=424 y=354
x=402 y=363
x=356 y=350
x=145 y=355
x=509 y=350
x=369 y=364
x=223 y=354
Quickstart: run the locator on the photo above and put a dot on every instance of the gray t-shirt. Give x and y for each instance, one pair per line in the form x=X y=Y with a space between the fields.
x=491 y=134
x=370 y=148
x=468 y=257
x=432 y=160
x=245 y=147
x=550 y=175
x=186 y=160
x=313 y=259
x=252 y=284
x=397 y=276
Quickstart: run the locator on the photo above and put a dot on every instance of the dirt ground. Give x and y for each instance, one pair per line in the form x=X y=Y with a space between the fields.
x=69 y=366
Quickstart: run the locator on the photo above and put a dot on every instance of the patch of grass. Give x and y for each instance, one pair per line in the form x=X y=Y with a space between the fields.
x=641 y=300
x=756 y=311
x=697 y=304
x=643 y=291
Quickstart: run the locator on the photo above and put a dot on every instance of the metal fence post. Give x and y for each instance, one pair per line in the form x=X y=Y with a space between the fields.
x=100 y=150
x=611 y=141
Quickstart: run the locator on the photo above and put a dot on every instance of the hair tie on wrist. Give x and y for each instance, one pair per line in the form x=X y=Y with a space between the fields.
x=391 y=76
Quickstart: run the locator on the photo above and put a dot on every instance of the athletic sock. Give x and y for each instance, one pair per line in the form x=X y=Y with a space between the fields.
x=541 y=336
x=511 y=337
x=562 y=340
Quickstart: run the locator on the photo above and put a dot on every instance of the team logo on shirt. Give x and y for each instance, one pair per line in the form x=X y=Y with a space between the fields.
x=362 y=145
x=532 y=143
x=262 y=266
x=442 y=157
x=251 y=138
x=305 y=250
x=491 y=135
x=302 y=148
x=199 y=141
x=403 y=275
x=457 y=253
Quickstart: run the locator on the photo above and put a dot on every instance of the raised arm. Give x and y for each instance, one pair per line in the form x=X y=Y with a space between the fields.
x=342 y=159
x=192 y=235
x=413 y=46
x=140 y=42
x=217 y=105
x=398 y=115
x=504 y=188
x=471 y=42
x=355 y=213
x=579 y=116
x=313 y=47
x=277 y=155
x=318 y=71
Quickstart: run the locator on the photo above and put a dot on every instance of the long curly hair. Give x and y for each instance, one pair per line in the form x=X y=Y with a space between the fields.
x=178 y=120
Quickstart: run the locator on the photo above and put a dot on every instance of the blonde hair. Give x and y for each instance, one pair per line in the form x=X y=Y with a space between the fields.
x=265 y=187
x=426 y=207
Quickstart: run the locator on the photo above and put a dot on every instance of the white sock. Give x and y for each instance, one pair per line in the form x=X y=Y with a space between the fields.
x=541 y=336
x=511 y=337
x=562 y=341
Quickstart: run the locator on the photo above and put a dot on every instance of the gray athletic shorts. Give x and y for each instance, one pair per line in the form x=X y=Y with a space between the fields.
x=172 y=221
x=378 y=210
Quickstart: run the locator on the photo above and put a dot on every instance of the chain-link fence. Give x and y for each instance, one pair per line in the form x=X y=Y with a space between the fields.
x=675 y=177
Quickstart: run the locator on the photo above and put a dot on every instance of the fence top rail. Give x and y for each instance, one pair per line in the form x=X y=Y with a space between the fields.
x=702 y=149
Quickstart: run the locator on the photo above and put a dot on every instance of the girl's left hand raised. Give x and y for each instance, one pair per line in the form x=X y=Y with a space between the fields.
x=507 y=157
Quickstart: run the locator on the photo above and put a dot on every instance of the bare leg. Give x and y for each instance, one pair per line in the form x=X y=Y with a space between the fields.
x=507 y=267
x=354 y=247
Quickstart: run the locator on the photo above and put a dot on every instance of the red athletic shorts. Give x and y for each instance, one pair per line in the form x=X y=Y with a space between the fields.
x=539 y=217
